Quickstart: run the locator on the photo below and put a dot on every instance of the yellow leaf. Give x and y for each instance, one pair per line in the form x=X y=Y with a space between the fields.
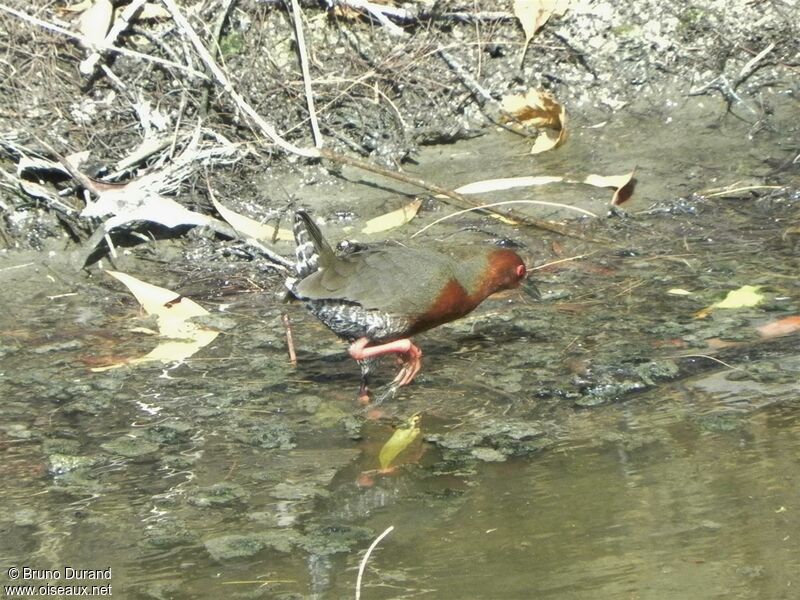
x=393 y=219
x=250 y=227
x=746 y=296
x=679 y=292
x=401 y=439
x=173 y=312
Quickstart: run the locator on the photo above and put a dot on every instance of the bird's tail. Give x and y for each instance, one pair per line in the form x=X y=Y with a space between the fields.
x=312 y=250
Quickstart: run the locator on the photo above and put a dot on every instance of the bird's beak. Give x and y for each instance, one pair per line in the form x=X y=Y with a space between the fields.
x=530 y=288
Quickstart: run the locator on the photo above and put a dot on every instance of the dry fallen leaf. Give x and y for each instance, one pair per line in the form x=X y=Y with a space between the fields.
x=173 y=312
x=95 y=22
x=393 y=219
x=623 y=184
x=250 y=227
x=153 y=11
x=535 y=108
x=541 y=110
x=533 y=14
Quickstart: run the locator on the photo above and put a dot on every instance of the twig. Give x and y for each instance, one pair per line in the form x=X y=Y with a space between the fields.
x=223 y=80
x=287 y=324
x=99 y=45
x=217 y=34
x=751 y=65
x=559 y=261
x=709 y=357
x=469 y=82
x=364 y=560
x=297 y=17
x=727 y=88
x=283 y=263
x=379 y=12
x=537 y=202
x=458 y=199
x=279 y=141
x=123 y=21
x=724 y=87
x=484 y=98
x=469 y=17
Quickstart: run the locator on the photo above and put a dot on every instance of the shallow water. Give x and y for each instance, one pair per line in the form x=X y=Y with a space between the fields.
x=578 y=447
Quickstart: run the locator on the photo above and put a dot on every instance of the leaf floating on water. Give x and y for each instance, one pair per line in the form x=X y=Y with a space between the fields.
x=623 y=185
x=541 y=110
x=505 y=183
x=393 y=219
x=400 y=440
x=679 y=292
x=250 y=227
x=781 y=327
x=173 y=312
x=746 y=296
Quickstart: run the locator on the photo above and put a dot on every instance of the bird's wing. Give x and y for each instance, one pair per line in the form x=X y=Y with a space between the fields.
x=398 y=281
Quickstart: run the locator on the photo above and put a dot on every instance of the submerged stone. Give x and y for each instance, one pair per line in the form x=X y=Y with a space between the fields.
x=227 y=547
x=267 y=436
x=130 y=447
x=333 y=539
x=218 y=495
x=59 y=464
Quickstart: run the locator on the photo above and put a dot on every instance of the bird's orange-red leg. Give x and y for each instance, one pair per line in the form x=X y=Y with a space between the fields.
x=411 y=366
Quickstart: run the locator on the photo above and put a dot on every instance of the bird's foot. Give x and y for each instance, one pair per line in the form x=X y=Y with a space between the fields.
x=412 y=363
x=411 y=366
x=364 y=354
x=364 y=395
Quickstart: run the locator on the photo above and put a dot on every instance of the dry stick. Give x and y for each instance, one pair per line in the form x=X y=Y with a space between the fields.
x=475 y=202
x=364 y=560
x=484 y=98
x=379 y=12
x=273 y=134
x=504 y=203
x=297 y=17
x=752 y=64
x=223 y=80
x=287 y=324
x=284 y=263
x=122 y=22
x=223 y=16
x=99 y=45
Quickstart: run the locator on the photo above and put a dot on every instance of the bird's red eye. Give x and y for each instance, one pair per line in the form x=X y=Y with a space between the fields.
x=521 y=270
